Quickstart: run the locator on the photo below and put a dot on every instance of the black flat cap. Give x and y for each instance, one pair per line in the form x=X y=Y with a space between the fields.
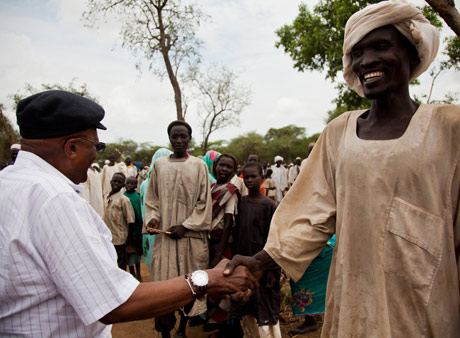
x=56 y=113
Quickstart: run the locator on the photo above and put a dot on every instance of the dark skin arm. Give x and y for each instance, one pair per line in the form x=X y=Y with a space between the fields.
x=154 y=299
x=228 y=223
x=257 y=264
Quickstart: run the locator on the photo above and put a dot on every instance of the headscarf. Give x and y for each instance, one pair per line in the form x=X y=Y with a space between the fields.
x=407 y=19
x=210 y=158
x=221 y=194
x=143 y=189
x=147 y=240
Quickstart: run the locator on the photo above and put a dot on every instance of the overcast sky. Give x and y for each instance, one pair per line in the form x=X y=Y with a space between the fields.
x=46 y=42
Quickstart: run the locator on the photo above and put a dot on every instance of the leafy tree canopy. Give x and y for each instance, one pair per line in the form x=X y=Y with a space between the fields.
x=73 y=87
x=314 y=42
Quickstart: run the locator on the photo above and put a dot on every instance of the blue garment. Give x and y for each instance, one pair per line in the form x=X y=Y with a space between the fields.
x=309 y=293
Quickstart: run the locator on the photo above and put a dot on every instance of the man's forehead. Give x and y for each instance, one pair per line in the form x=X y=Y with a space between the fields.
x=389 y=33
x=179 y=129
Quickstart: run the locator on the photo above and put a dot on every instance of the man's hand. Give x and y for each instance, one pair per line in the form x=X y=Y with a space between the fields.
x=248 y=261
x=152 y=226
x=241 y=280
x=177 y=231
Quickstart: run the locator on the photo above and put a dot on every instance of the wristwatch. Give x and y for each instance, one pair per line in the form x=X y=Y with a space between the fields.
x=199 y=279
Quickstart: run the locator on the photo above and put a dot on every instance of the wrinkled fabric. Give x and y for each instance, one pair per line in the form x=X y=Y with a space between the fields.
x=92 y=192
x=107 y=173
x=407 y=19
x=118 y=213
x=148 y=239
x=394 y=207
x=179 y=193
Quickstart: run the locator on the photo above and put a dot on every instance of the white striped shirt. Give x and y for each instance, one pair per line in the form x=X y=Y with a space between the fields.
x=58 y=269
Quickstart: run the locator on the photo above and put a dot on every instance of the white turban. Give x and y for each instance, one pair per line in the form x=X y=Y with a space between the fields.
x=278 y=158
x=15 y=146
x=407 y=19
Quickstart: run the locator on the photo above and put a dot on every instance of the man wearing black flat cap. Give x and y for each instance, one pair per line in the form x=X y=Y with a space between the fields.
x=58 y=270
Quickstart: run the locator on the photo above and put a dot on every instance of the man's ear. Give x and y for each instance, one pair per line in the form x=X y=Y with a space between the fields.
x=71 y=148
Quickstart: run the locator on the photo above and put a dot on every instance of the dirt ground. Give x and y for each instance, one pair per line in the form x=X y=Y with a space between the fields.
x=145 y=328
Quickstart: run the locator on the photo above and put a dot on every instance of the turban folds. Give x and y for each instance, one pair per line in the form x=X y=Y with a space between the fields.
x=407 y=19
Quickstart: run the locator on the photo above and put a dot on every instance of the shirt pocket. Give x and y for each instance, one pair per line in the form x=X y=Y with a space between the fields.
x=412 y=244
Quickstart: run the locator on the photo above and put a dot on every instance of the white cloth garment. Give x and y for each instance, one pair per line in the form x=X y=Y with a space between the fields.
x=92 y=191
x=58 y=269
x=280 y=177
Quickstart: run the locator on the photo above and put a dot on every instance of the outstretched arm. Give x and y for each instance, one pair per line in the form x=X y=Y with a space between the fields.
x=158 y=298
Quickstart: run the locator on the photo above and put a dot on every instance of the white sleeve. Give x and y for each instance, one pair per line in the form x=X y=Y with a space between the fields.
x=76 y=247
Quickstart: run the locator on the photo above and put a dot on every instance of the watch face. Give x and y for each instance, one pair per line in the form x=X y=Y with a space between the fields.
x=200 y=278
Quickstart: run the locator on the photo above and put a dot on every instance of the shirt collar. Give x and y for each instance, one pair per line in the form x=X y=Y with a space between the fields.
x=28 y=159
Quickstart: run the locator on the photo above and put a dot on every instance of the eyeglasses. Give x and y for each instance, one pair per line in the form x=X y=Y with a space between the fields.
x=100 y=146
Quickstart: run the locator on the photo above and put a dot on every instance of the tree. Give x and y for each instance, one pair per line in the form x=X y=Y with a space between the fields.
x=447 y=11
x=220 y=99
x=72 y=87
x=289 y=142
x=156 y=28
x=314 y=41
x=8 y=136
x=243 y=145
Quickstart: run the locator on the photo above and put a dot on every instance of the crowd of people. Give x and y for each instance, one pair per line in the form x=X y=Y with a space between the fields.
x=218 y=208
x=367 y=227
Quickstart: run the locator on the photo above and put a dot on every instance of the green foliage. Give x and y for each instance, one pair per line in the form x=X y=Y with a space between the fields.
x=314 y=42
x=289 y=142
x=79 y=89
x=159 y=31
x=8 y=136
x=347 y=100
x=453 y=52
x=142 y=152
x=249 y=143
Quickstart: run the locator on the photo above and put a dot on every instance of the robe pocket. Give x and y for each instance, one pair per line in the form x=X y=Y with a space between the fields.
x=412 y=243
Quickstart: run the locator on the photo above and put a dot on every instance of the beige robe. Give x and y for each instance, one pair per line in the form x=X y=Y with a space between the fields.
x=92 y=191
x=394 y=206
x=239 y=183
x=231 y=207
x=107 y=174
x=179 y=193
x=118 y=214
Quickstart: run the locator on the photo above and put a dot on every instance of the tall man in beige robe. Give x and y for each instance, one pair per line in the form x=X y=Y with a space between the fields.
x=178 y=200
x=386 y=181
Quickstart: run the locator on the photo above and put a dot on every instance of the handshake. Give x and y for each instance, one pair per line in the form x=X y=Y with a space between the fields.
x=239 y=277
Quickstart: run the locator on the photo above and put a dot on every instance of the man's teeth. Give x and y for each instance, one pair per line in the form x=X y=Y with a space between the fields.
x=372 y=75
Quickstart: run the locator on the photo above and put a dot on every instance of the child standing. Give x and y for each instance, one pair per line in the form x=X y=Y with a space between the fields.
x=270 y=186
x=255 y=211
x=225 y=198
x=134 y=242
x=118 y=216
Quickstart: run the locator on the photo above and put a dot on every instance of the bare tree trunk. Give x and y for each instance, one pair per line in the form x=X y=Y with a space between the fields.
x=447 y=10
x=176 y=87
x=165 y=47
